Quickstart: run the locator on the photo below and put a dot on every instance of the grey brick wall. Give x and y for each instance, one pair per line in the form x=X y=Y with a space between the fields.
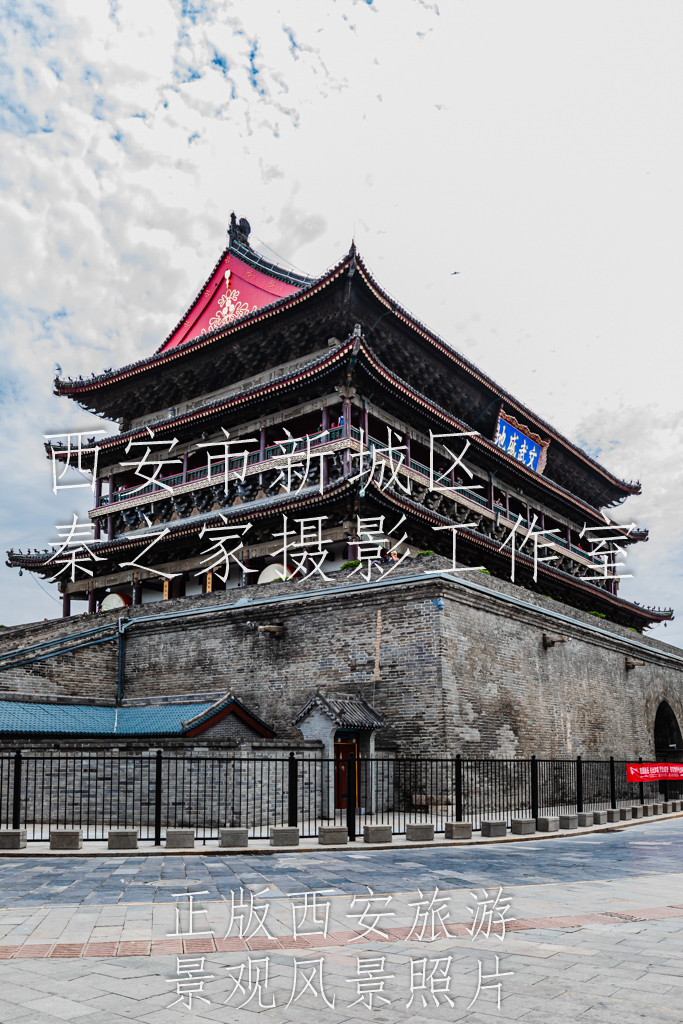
x=472 y=677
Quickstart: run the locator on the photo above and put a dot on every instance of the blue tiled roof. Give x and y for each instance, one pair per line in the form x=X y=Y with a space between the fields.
x=82 y=720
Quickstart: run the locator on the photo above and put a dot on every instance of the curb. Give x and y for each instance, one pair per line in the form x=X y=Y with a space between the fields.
x=308 y=847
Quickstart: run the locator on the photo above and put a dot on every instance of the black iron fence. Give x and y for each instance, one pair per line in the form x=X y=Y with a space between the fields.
x=153 y=791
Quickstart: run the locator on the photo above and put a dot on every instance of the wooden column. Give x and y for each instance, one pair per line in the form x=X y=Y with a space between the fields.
x=366 y=427
x=346 y=413
x=110 y=517
x=185 y=458
x=66 y=604
x=98 y=502
x=137 y=592
x=92 y=601
x=262 y=445
x=346 y=432
x=325 y=423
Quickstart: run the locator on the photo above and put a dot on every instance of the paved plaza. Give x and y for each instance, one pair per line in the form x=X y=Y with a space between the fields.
x=593 y=932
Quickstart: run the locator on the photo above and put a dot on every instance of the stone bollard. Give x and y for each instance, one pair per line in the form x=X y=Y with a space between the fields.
x=458 y=830
x=647 y=811
x=675 y=805
x=613 y=814
x=523 y=826
x=657 y=808
x=569 y=821
x=599 y=817
x=12 y=838
x=377 y=834
x=493 y=829
x=179 y=838
x=547 y=824
x=232 y=837
x=122 y=839
x=66 y=838
x=332 y=835
x=284 y=835
x=666 y=807
x=637 y=811
x=585 y=819
x=625 y=813
x=418 y=832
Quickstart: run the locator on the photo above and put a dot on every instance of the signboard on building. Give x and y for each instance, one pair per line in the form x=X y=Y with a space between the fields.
x=519 y=442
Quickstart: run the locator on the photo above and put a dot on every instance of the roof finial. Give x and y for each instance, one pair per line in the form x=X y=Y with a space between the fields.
x=239 y=232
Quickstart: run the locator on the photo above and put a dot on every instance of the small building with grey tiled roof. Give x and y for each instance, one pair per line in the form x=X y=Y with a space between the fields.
x=341 y=718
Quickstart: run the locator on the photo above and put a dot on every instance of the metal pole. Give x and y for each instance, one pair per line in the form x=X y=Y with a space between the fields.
x=641 y=787
x=534 y=787
x=579 y=784
x=157 y=801
x=16 y=793
x=351 y=798
x=292 y=808
x=612 y=785
x=458 y=788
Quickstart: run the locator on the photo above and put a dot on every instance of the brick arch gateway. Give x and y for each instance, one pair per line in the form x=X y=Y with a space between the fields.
x=667 y=734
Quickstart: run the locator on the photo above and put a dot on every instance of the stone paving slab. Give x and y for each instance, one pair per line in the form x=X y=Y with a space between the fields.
x=598 y=934
x=602 y=985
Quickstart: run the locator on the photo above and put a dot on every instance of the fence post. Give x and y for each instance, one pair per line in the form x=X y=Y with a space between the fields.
x=16 y=792
x=579 y=784
x=157 y=801
x=641 y=787
x=351 y=798
x=612 y=785
x=292 y=791
x=534 y=787
x=458 y=788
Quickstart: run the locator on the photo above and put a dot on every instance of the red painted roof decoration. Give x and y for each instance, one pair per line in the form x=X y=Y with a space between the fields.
x=236 y=287
x=233 y=290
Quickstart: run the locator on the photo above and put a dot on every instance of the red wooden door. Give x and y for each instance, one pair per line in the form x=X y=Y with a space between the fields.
x=342 y=752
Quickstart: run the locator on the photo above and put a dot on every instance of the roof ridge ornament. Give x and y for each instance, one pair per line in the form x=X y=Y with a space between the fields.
x=238 y=232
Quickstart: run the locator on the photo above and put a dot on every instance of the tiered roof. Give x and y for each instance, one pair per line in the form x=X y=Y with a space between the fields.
x=252 y=315
x=403 y=352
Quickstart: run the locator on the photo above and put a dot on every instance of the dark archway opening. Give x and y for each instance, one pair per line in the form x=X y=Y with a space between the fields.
x=668 y=741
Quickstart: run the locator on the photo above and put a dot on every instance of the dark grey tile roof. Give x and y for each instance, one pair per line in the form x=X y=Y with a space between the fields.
x=346 y=709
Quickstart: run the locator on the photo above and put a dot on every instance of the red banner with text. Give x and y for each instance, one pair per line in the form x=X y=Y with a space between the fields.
x=653 y=772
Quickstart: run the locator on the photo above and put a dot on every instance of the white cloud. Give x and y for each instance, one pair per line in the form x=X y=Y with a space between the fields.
x=527 y=146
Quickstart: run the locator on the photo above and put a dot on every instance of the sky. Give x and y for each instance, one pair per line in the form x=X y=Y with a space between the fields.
x=534 y=148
